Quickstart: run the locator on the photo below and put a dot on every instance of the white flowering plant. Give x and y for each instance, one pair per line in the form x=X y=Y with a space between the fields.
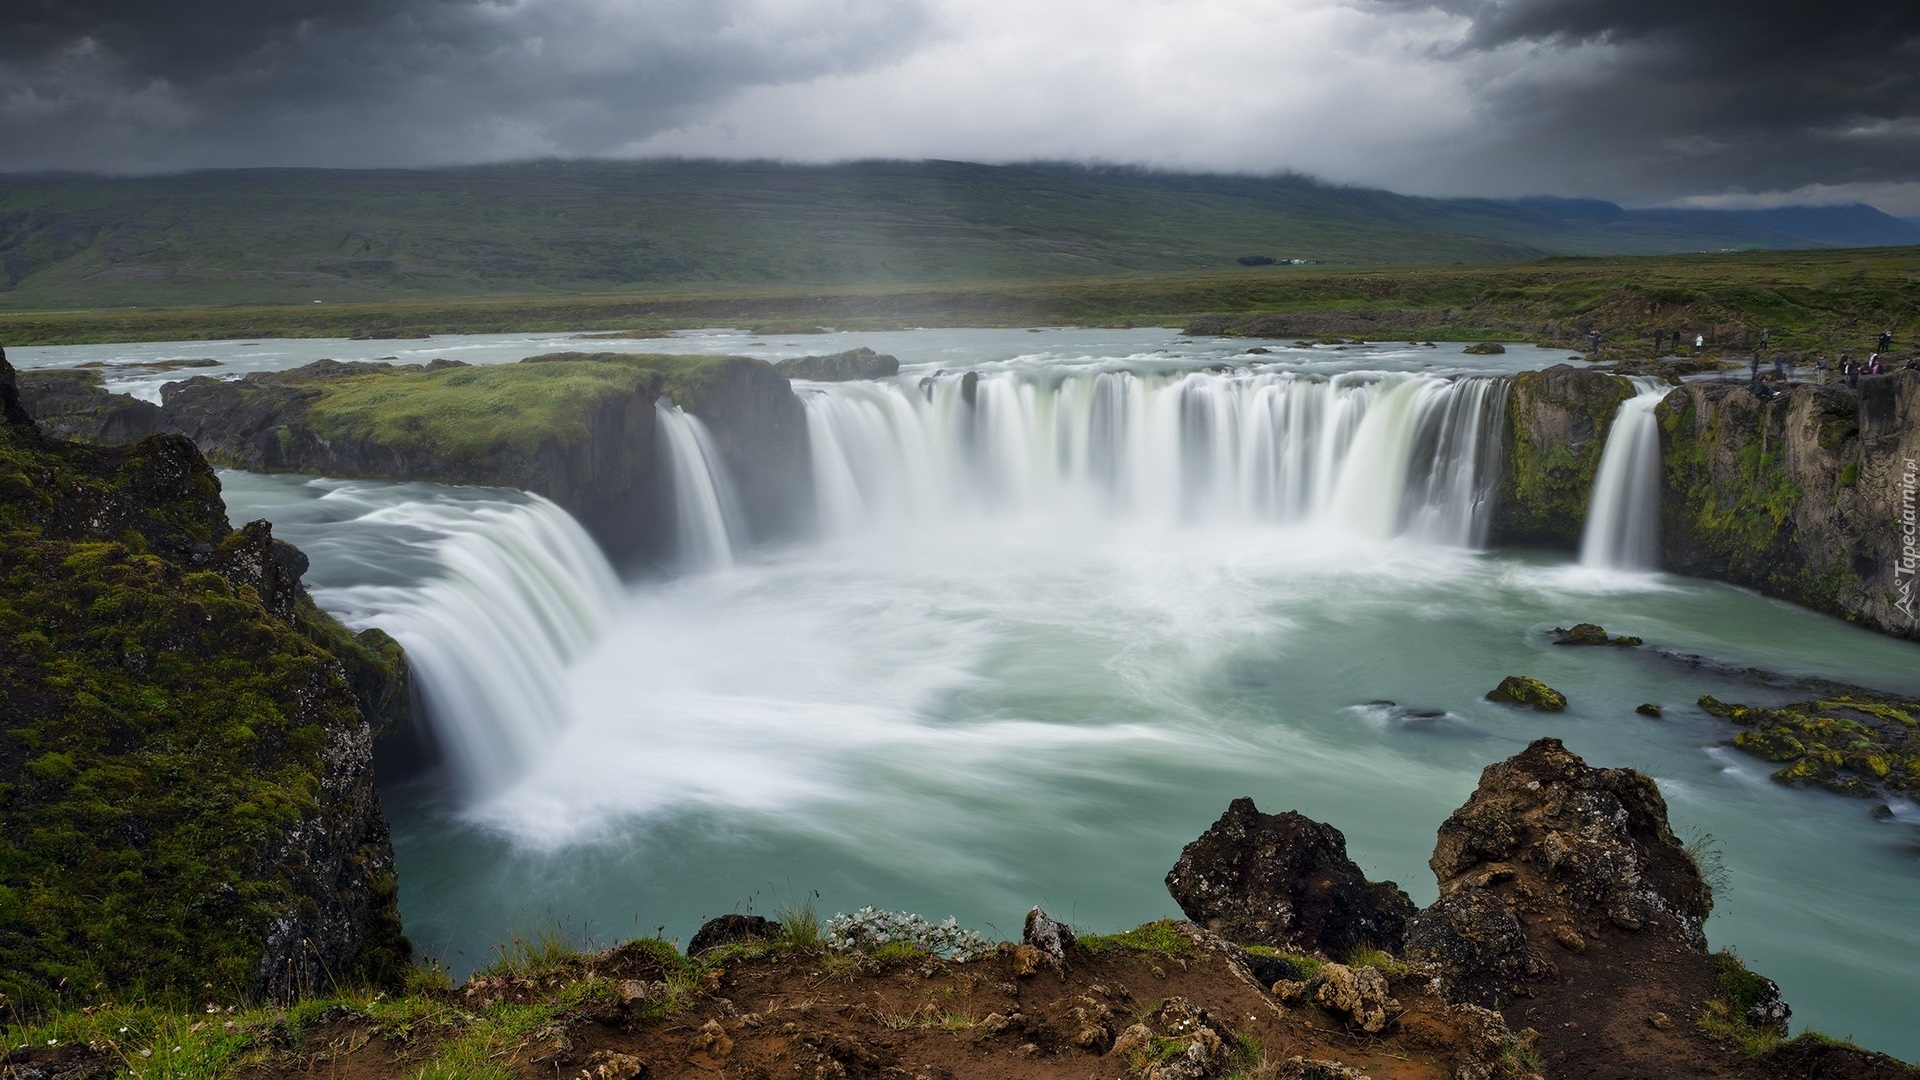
x=870 y=928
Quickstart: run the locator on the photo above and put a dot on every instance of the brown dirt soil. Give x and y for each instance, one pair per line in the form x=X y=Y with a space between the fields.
x=801 y=1014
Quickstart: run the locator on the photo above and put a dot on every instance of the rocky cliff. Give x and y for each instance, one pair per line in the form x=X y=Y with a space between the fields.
x=188 y=797
x=1807 y=495
x=578 y=428
x=1557 y=424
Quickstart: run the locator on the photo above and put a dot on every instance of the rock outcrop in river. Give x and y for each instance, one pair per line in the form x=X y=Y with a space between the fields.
x=188 y=796
x=578 y=428
x=1557 y=423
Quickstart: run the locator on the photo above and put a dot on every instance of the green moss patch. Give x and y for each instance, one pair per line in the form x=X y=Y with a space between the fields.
x=163 y=730
x=1851 y=744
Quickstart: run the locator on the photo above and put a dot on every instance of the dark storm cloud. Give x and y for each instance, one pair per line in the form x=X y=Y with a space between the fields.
x=118 y=85
x=1668 y=97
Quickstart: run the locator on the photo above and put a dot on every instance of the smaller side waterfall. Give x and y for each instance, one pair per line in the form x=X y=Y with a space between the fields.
x=1623 y=517
x=513 y=592
x=707 y=515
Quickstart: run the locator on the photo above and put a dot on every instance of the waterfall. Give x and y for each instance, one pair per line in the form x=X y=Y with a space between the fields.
x=512 y=591
x=1377 y=455
x=1623 y=517
x=707 y=513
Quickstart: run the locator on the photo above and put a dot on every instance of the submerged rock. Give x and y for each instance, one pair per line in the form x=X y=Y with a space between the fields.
x=1529 y=691
x=860 y=363
x=1856 y=743
x=1285 y=880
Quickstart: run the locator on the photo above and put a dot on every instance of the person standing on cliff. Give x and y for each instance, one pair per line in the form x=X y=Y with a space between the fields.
x=1820 y=366
x=1657 y=335
x=1756 y=368
x=1886 y=341
x=1699 y=344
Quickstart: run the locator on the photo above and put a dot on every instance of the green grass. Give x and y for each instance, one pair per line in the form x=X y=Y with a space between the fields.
x=1812 y=300
x=480 y=413
x=1161 y=937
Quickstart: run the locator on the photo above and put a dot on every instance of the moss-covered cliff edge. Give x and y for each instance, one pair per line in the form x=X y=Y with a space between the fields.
x=578 y=428
x=1807 y=495
x=186 y=779
x=1557 y=424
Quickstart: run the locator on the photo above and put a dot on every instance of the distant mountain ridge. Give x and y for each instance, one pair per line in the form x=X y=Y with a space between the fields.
x=277 y=235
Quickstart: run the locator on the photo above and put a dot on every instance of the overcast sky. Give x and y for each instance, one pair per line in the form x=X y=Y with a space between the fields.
x=1706 y=102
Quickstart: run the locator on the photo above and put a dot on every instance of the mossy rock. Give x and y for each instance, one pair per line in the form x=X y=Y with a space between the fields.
x=1587 y=633
x=1771 y=745
x=1485 y=348
x=1528 y=691
x=188 y=805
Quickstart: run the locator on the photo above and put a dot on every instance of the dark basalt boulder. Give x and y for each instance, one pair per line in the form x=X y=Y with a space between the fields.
x=1485 y=348
x=1551 y=851
x=1475 y=939
x=1285 y=880
x=860 y=363
x=727 y=929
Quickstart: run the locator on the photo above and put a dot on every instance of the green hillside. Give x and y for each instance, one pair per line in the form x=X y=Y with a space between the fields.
x=297 y=235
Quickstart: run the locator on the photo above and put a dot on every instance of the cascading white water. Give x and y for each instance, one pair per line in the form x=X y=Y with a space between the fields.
x=1623 y=516
x=513 y=591
x=1377 y=455
x=707 y=514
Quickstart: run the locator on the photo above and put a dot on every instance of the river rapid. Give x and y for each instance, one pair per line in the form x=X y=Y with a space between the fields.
x=1026 y=660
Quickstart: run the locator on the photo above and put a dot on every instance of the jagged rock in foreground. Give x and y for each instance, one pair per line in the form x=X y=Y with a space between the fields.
x=189 y=801
x=860 y=363
x=1562 y=886
x=1566 y=903
x=1565 y=852
x=1285 y=880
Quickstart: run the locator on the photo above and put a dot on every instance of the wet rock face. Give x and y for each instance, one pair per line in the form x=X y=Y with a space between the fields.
x=1285 y=880
x=1550 y=849
x=1557 y=424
